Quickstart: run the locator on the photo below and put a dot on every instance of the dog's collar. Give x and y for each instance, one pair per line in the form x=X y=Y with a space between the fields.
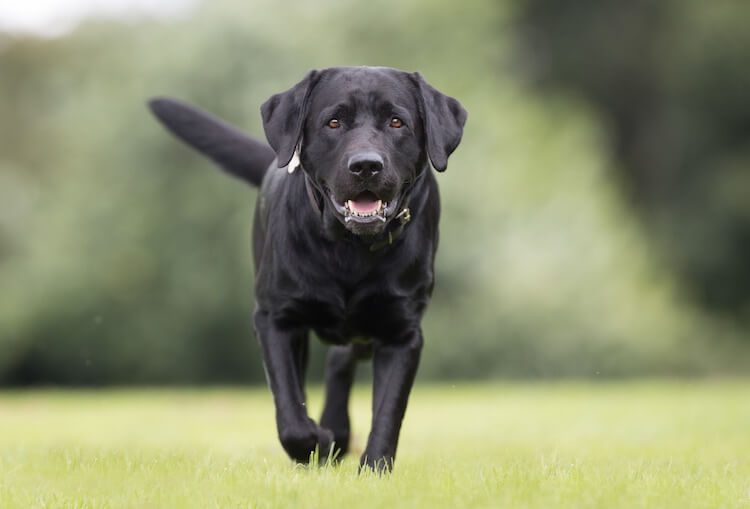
x=403 y=219
x=314 y=194
x=316 y=198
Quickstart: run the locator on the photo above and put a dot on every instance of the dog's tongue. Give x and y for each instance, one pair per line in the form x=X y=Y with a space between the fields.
x=365 y=203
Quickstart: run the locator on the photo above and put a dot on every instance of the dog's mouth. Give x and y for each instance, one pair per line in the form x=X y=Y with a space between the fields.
x=366 y=207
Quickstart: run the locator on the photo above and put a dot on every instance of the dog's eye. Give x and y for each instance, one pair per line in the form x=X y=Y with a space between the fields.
x=334 y=123
x=396 y=123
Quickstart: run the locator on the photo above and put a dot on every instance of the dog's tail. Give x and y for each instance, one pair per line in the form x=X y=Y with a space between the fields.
x=237 y=153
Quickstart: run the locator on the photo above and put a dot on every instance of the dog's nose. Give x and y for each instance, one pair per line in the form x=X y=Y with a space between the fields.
x=365 y=163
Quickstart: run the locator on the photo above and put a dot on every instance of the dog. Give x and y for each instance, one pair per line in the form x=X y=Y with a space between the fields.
x=344 y=238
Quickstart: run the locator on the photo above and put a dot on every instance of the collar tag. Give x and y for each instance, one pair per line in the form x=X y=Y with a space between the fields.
x=404 y=216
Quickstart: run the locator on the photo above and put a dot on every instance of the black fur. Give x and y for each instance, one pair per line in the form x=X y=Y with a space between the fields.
x=348 y=280
x=235 y=152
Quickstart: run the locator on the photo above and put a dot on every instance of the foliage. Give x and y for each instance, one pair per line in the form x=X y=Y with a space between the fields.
x=670 y=79
x=125 y=258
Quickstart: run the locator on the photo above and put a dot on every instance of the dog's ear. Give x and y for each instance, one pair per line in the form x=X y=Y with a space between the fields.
x=443 y=119
x=284 y=115
x=234 y=151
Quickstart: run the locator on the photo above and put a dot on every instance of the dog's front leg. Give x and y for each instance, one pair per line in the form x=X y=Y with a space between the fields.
x=394 y=368
x=282 y=351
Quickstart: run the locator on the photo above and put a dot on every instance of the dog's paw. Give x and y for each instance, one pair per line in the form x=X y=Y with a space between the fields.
x=341 y=443
x=378 y=463
x=326 y=446
x=305 y=442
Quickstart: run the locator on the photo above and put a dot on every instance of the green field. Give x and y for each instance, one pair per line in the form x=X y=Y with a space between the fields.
x=547 y=445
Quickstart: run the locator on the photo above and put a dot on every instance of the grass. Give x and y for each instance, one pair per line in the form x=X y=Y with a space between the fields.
x=548 y=445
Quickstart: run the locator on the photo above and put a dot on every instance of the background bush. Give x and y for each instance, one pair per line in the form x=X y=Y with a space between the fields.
x=598 y=225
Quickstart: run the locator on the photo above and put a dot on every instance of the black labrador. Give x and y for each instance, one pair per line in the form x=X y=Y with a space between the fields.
x=345 y=233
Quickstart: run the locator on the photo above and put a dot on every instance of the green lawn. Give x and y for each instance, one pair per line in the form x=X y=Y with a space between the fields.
x=547 y=445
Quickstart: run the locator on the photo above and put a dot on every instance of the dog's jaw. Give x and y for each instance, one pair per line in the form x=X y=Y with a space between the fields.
x=369 y=224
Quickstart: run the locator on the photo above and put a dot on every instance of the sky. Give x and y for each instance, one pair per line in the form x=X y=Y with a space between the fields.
x=56 y=17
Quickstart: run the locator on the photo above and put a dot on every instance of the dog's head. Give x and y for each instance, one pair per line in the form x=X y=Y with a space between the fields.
x=363 y=135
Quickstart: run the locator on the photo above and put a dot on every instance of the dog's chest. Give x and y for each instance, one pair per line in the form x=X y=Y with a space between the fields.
x=353 y=298
x=370 y=315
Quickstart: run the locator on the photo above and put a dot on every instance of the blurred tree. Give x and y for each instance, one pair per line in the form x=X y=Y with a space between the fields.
x=670 y=79
x=125 y=257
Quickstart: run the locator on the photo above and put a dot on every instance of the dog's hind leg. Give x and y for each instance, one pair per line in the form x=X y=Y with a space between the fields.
x=340 y=368
x=341 y=363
